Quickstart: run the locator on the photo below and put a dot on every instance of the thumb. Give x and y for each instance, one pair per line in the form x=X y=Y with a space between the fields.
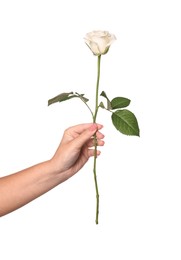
x=85 y=136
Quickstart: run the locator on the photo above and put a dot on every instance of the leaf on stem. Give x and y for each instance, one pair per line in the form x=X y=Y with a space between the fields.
x=66 y=96
x=102 y=105
x=103 y=94
x=125 y=122
x=119 y=102
x=81 y=96
x=61 y=97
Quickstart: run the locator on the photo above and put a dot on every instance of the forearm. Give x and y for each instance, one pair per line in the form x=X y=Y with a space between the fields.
x=22 y=187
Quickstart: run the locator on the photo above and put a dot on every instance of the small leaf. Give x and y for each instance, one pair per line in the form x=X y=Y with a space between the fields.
x=103 y=94
x=120 y=102
x=81 y=96
x=102 y=105
x=61 y=97
x=125 y=122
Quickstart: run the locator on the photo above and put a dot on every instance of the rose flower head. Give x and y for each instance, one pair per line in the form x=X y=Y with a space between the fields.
x=99 y=42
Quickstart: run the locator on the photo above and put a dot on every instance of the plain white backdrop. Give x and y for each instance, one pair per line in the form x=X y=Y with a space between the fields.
x=42 y=54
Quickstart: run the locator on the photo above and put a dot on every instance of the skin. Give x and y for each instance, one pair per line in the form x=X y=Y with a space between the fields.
x=18 y=189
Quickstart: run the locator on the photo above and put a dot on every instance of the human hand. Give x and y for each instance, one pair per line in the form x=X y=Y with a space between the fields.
x=72 y=153
x=75 y=148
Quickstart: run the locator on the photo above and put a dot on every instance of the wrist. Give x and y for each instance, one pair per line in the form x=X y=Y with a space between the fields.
x=57 y=171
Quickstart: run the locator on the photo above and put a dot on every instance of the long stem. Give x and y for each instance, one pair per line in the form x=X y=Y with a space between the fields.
x=95 y=140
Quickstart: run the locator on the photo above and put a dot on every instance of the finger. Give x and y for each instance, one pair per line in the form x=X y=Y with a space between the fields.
x=92 y=151
x=92 y=143
x=99 y=135
x=82 y=127
x=73 y=132
x=85 y=136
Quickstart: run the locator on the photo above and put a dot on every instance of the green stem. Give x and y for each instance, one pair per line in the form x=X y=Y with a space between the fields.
x=95 y=139
x=97 y=88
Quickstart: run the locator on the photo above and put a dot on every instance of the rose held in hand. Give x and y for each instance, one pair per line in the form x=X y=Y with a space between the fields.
x=99 y=41
x=123 y=120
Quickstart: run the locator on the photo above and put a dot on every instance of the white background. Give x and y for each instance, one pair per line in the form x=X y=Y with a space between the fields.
x=42 y=53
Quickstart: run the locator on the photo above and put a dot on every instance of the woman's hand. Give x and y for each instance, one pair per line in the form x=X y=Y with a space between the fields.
x=18 y=189
x=76 y=148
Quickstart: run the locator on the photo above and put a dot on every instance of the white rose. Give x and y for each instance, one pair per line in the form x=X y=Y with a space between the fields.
x=99 y=41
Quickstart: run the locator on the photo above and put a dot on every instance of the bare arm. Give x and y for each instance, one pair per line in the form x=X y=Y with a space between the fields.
x=73 y=152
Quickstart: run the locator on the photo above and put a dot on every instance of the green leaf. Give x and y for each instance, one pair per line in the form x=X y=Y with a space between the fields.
x=81 y=96
x=103 y=94
x=61 y=97
x=102 y=105
x=66 y=96
x=120 y=102
x=125 y=122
